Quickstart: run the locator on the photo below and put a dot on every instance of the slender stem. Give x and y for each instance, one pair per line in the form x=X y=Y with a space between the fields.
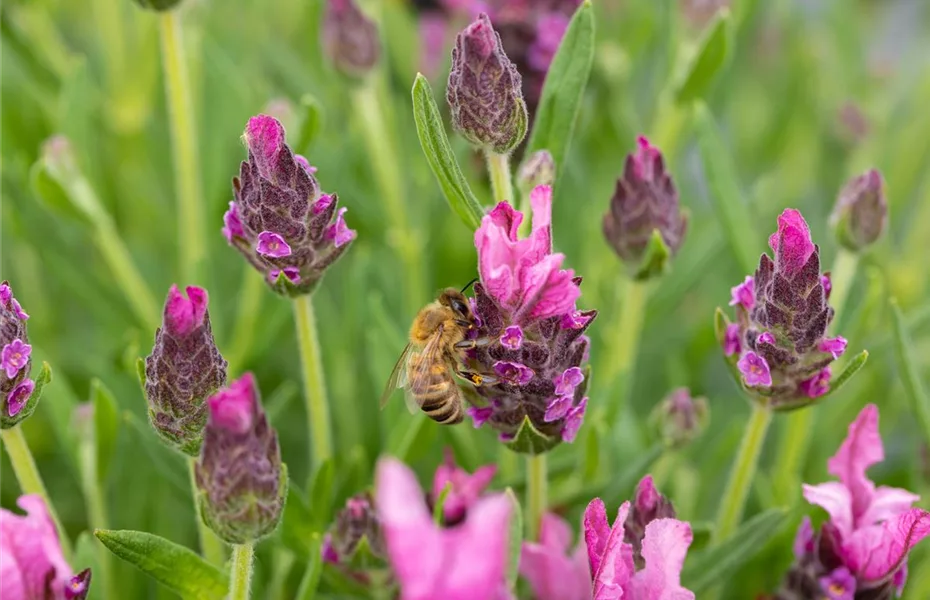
x=95 y=497
x=30 y=482
x=183 y=147
x=250 y=301
x=211 y=547
x=536 y=493
x=742 y=472
x=501 y=185
x=625 y=343
x=314 y=385
x=127 y=276
x=240 y=575
x=841 y=279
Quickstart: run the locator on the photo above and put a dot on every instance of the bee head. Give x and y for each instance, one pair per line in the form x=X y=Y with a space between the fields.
x=455 y=300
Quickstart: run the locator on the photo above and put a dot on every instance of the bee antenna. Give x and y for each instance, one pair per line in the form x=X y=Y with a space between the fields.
x=469 y=284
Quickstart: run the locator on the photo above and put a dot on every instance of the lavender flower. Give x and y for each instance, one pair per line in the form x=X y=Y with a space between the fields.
x=778 y=343
x=241 y=481
x=18 y=398
x=484 y=90
x=350 y=39
x=680 y=418
x=648 y=505
x=861 y=212
x=280 y=221
x=355 y=525
x=645 y=224
x=183 y=370
x=538 y=399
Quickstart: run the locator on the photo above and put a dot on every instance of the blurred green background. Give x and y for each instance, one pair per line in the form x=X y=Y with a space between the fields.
x=815 y=91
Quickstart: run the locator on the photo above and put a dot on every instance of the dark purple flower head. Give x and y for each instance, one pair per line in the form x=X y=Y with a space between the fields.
x=241 y=481
x=861 y=211
x=681 y=418
x=183 y=370
x=778 y=341
x=17 y=400
x=355 y=523
x=484 y=90
x=531 y=345
x=350 y=39
x=648 y=505
x=645 y=224
x=280 y=220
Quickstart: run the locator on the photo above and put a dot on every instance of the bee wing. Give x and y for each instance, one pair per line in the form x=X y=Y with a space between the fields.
x=398 y=376
x=421 y=364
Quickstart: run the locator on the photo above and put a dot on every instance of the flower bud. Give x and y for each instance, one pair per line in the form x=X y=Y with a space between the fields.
x=645 y=224
x=538 y=169
x=158 y=5
x=648 y=505
x=861 y=212
x=280 y=221
x=241 y=481
x=356 y=523
x=484 y=90
x=350 y=39
x=681 y=418
x=183 y=370
x=18 y=396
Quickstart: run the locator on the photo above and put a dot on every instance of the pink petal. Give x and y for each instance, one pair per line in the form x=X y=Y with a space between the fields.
x=547 y=290
x=610 y=558
x=861 y=449
x=665 y=546
x=792 y=242
x=550 y=571
x=476 y=569
x=541 y=236
x=234 y=407
x=184 y=315
x=886 y=504
x=876 y=552
x=596 y=532
x=835 y=499
x=30 y=545
x=264 y=136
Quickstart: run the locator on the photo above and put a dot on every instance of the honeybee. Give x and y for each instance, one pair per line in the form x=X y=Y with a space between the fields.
x=438 y=341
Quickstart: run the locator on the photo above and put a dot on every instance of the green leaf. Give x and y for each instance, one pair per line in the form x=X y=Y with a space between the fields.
x=515 y=539
x=440 y=502
x=904 y=354
x=655 y=258
x=321 y=495
x=530 y=440
x=174 y=566
x=140 y=373
x=712 y=55
x=563 y=91
x=725 y=194
x=716 y=564
x=106 y=426
x=311 y=579
x=311 y=123
x=851 y=369
x=297 y=528
x=702 y=532
x=165 y=460
x=52 y=194
x=440 y=157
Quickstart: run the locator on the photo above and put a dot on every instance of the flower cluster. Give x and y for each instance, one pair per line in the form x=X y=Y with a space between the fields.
x=183 y=370
x=241 y=480
x=17 y=400
x=645 y=224
x=31 y=561
x=534 y=342
x=280 y=221
x=350 y=39
x=778 y=342
x=861 y=552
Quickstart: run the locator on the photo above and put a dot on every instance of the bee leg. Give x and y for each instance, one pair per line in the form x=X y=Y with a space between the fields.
x=476 y=379
x=469 y=344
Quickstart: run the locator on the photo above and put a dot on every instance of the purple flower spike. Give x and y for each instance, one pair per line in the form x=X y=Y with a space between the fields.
x=573 y=421
x=792 y=242
x=350 y=39
x=14 y=356
x=835 y=346
x=838 y=585
x=755 y=370
x=744 y=294
x=512 y=338
x=280 y=219
x=356 y=522
x=272 y=245
x=513 y=373
x=731 y=344
x=19 y=396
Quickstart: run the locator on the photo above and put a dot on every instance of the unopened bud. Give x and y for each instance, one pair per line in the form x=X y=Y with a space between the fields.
x=538 y=169
x=648 y=505
x=680 y=418
x=484 y=90
x=861 y=211
x=350 y=39
x=356 y=523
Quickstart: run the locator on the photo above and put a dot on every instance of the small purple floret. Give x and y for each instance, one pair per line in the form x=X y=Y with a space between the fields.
x=78 y=586
x=840 y=584
x=339 y=232
x=14 y=357
x=731 y=343
x=558 y=408
x=568 y=380
x=232 y=226
x=513 y=373
x=272 y=245
x=835 y=346
x=755 y=370
x=512 y=338
x=743 y=294
x=818 y=385
x=573 y=421
x=292 y=273
x=19 y=396
x=766 y=338
x=479 y=415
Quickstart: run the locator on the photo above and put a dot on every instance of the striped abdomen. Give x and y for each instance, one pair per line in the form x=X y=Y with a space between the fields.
x=435 y=390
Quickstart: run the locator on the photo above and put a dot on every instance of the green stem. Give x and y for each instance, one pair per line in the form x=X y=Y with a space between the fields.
x=625 y=343
x=30 y=482
x=536 y=493
x=240 y=576
x=314 y=385
x=95 y=497
x=387 y=170
x=211 y=547
x=501 y=185
x=127 y=276
x=183 y=147
x=841 y=279
x=742 y=472
x=250 y=301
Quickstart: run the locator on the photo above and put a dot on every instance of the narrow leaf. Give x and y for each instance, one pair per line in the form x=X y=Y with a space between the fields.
x=725 y=194
x=297 y=529
x=174 y=566
x=515 y=539
x=311 y=112
x=722 y=561
x=851 y=369
x=321 y=495
x=165 y=460
x=311 y=579
x=904 y=354
x=106 y=426
x=712 y=55
x=563 y=90
x=440 y=157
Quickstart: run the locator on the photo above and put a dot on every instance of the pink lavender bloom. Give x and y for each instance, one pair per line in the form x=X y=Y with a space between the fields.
x=827 y=284
x=861 y=212
x=280 y=221
x=680 y=417
x=484 y=92
x=645 y=201
x=183 y=370
x=465 y=488
x=870 y=531
x=32 y=566
x=463 y=562
x=241 y=482
x=350 y=39
x=522 y=284
x=784 y=326
x=804 y=539
x=15 y=356
x=553 y=573
x=17 y=400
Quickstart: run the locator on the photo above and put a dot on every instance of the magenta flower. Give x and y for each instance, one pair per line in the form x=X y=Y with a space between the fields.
x=19 y=396
x=280 y=221
x=818 y=385
x=32 y=566
x=743 y=294
x=840 y=584
x=463 y=562
x=648 y=505
x=465 y=488
x=350 y=39
x=731 y=345
x=835 y=346
x=755 y=370
x=17 y=401
x=183 y=370
x=792 y=243
x=553 y=573
x=15 y=356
